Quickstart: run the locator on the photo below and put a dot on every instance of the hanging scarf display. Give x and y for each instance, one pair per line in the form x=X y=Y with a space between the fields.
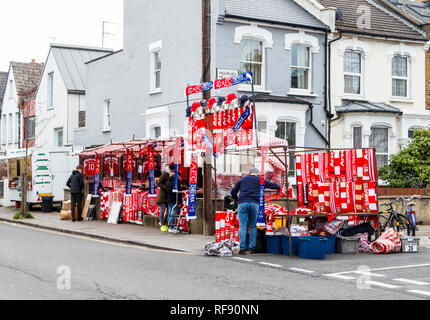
x=192 y=198
x=151 y=171
x=261 y=212
x=129 y=169
x=111 y=166
x=177 y=155
x=97 y=172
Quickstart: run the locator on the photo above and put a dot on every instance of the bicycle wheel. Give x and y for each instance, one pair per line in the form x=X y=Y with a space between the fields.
x=385 y=223
x=402 y=224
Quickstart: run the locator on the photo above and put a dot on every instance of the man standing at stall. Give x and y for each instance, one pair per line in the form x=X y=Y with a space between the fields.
x=76 y=185
x=162 y=196
x=249 y=199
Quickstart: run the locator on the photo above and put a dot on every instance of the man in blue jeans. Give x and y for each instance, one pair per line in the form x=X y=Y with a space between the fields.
x=249 y=199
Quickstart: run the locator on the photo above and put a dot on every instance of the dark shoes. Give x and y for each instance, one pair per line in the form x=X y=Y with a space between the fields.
x=242 y=252
x=80 y=219
x=252 y=251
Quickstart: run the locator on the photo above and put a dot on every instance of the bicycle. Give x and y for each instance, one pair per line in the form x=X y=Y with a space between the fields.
x=397 y=221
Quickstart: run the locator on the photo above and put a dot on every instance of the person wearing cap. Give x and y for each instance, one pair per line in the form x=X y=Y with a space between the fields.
x=249 y=200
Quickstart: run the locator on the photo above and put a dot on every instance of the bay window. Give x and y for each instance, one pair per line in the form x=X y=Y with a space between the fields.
x=352 y=67
x=379 y=141
x=287 y=131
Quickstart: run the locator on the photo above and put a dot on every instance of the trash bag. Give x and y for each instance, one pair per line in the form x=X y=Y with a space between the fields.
x=219 y=249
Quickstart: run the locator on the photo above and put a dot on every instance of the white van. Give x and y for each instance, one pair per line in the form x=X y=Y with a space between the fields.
x=47 y=173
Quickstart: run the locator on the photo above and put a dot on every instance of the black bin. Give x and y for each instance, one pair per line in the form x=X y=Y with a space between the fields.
x=47 y=204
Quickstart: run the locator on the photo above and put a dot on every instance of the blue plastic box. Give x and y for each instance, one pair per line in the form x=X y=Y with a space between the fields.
x=331 y=244
x=294 y=245
x=274 y=244
x=313 y=248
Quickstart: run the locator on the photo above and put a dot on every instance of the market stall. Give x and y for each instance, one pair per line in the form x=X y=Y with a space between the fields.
x=125 y=174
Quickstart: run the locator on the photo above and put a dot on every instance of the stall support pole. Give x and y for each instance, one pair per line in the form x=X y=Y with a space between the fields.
x=288 y=198
x=375 y=166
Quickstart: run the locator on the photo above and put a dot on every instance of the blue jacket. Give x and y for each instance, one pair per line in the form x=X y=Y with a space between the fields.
x=249 y=188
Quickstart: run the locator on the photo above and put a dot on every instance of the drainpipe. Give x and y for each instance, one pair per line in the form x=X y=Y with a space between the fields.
x=311 y=122
x=329 y=100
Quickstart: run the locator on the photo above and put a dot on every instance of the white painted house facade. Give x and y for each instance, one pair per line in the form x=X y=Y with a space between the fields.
x=377 y=78
x=60 y=100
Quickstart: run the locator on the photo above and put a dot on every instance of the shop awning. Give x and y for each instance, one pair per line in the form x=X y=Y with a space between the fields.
x=119 y=148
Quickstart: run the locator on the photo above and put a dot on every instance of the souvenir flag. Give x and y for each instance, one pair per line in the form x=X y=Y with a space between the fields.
x=151 y=172
x=192 y=198
x=236 y=127
x=261 y=213
x=97 y=172
x=129 y=169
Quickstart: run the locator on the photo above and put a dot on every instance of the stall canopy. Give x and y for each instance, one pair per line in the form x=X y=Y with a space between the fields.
x=118 y=148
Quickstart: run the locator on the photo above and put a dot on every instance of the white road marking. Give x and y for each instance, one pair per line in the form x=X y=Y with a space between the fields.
x=426 y=293
x=301 y=270
x=391 y=268
x=370 y=274
x=419 y=283
x=381 y=284
x=338 y=276
x=271 y=264
x=243 y=259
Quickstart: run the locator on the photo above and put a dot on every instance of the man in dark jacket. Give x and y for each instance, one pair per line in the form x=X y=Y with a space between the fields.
x=162 y=196
x=174 y=199
x=76 y=185
x=249 y=200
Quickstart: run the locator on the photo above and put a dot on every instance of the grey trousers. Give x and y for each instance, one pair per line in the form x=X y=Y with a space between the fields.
x=163 y=213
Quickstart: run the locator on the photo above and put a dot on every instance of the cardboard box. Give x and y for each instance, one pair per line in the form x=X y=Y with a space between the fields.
x=66 y=215
x=86 y=207
x=67 y=205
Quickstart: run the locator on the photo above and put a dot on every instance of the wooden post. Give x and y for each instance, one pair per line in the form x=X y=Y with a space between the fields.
x=208 y=216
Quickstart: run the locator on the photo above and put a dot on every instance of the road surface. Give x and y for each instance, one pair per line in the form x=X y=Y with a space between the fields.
x=36 y=264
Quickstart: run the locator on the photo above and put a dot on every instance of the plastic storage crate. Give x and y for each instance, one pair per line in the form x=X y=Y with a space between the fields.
x=295 y=241
x=331 y=244
x=274 y=244
x=313 y=248
x=347 y=245
x=410 y=244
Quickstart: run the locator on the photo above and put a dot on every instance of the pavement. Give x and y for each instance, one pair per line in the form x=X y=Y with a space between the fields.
x=122 y=233
x=46 y=265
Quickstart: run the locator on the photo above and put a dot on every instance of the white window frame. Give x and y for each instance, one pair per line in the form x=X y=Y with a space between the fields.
x=253 y=32
x=261 y=87
x=292 y=165
x=56 y=140
x=10 y=131
x=361 y=94
x=388 y=141
x=107 y=115
x=352 y=135
x=296 y=91
x=154 y=48
x=4 y=137
x=16 y=127
x=154 y=136
x=50 y=91
x=408 y=78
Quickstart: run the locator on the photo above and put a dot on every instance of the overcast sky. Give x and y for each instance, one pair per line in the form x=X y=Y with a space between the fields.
x=28 y=26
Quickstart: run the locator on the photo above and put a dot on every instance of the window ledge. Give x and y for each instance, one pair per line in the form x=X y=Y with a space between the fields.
x=353 y=97
x=302 y=93
x=155 y=91
x=394 y=99
x=80 y=129
x=106 y=130
x=256 y=89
